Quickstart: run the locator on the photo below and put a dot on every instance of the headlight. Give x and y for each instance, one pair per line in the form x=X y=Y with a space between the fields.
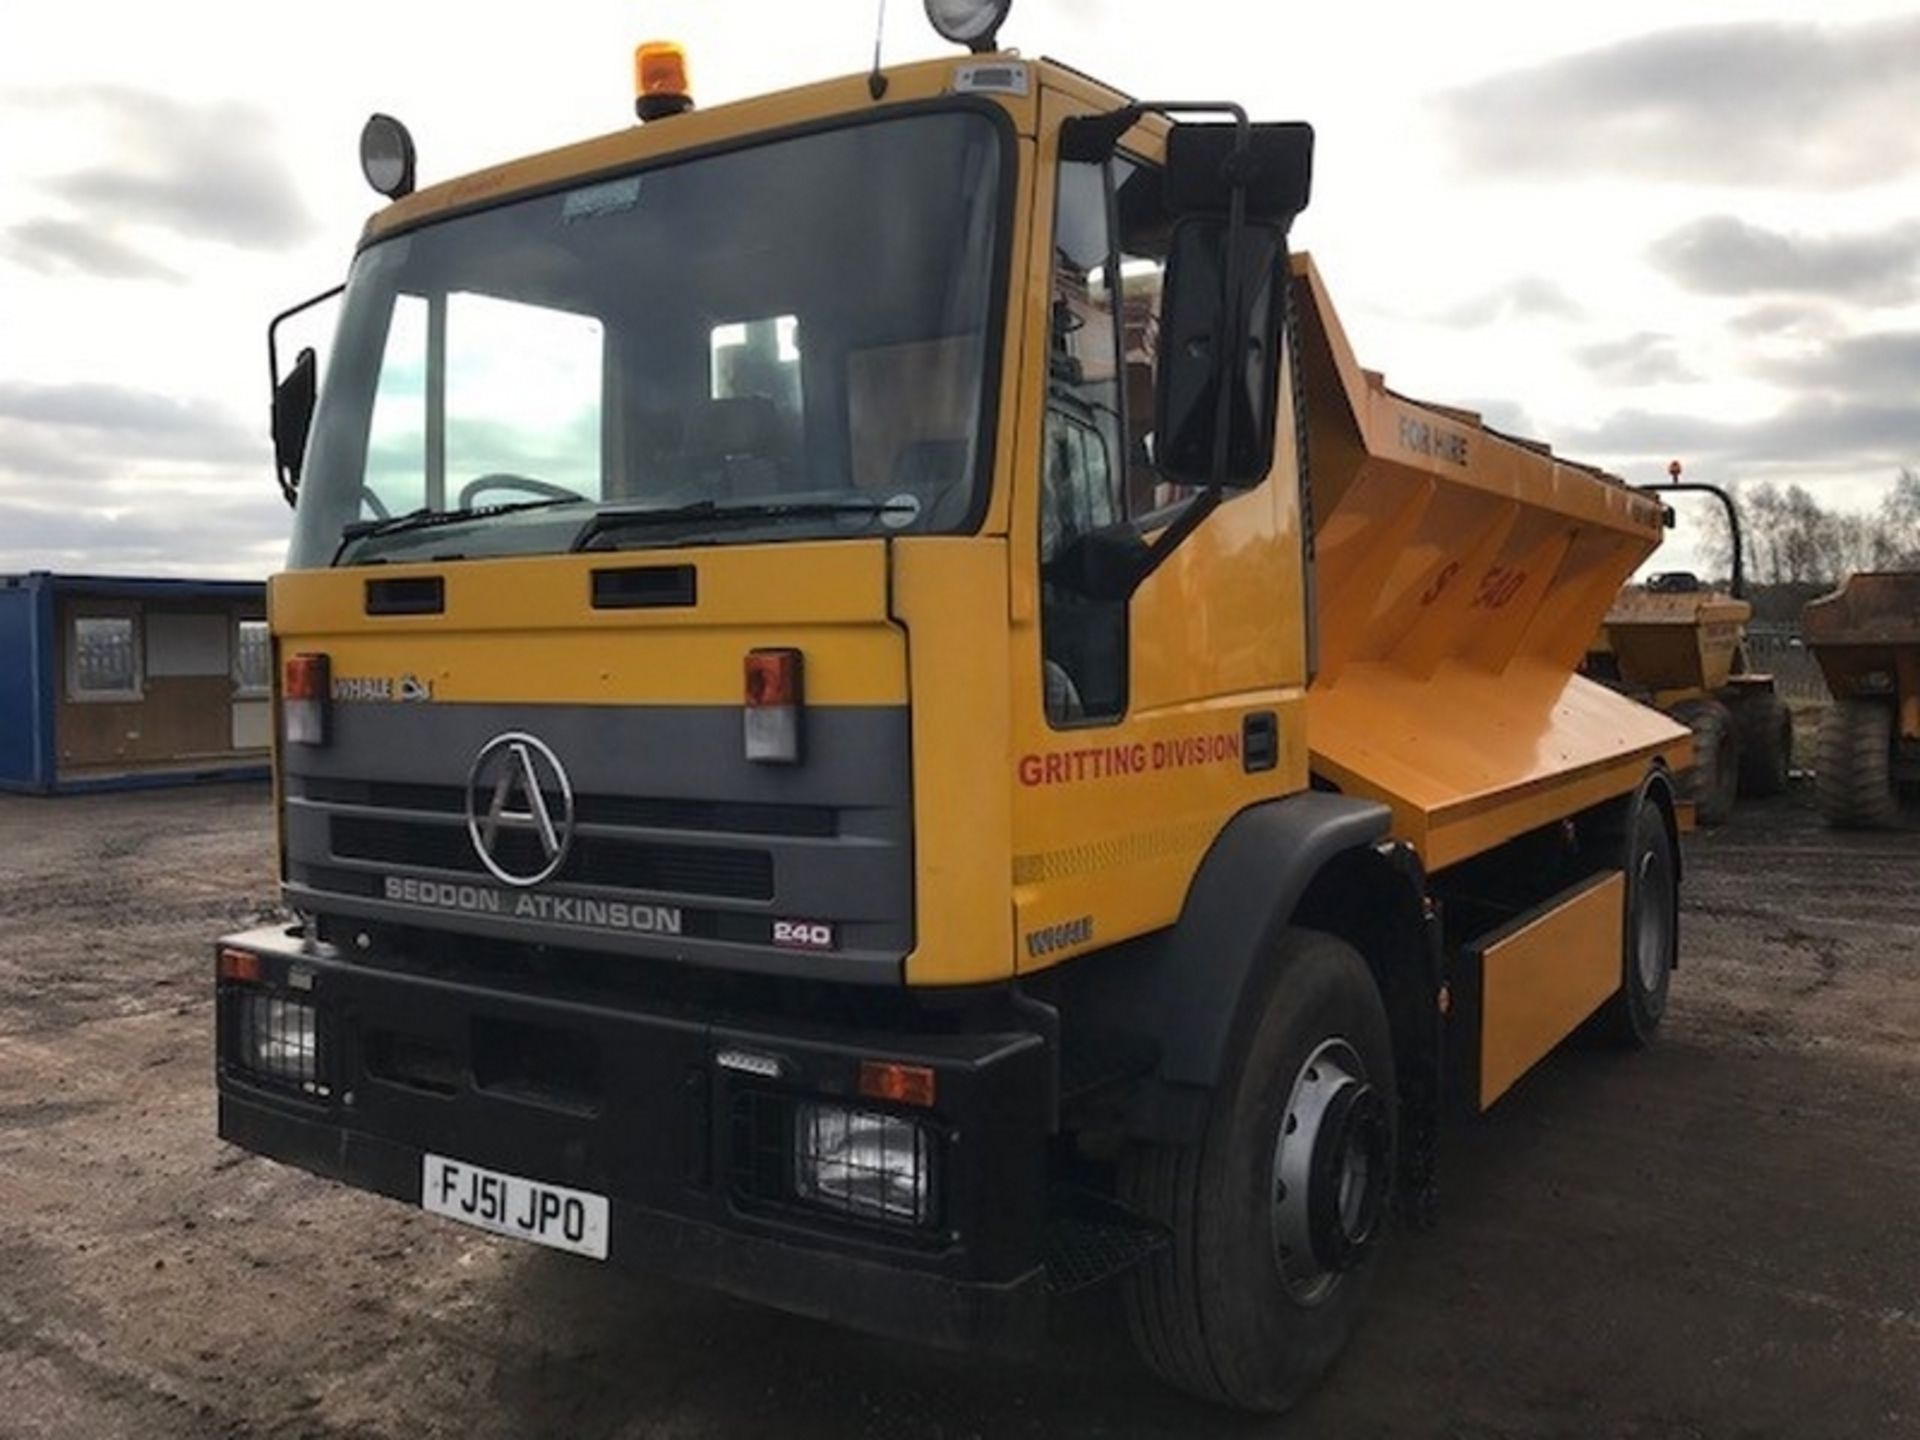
x=972 y=23
x=863 y=1163
x=278 y=1038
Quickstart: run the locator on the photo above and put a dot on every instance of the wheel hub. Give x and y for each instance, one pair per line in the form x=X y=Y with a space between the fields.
x=1330 y=1168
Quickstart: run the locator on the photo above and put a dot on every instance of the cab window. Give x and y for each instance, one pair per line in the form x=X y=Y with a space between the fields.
x=1110 y=247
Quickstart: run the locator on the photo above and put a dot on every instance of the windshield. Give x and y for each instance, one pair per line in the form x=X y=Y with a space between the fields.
x=782 y=341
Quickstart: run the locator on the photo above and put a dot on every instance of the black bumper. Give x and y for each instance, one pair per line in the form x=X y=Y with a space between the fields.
x=632 y=1105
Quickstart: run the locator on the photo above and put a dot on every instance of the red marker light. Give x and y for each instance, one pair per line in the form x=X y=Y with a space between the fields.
x=902 y=1084
x=774 y=697
x=304 y=682
x=241 y=965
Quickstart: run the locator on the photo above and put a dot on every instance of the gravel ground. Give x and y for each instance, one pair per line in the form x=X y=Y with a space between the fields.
x=1717 y=1238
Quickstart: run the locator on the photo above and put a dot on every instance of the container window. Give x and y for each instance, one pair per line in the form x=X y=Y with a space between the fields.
x=252 y=658
x=104 y=658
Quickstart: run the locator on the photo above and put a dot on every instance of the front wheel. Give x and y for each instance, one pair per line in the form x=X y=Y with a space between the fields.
x=1278 y=1213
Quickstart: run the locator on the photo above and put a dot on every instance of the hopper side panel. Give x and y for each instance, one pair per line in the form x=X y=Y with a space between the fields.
x=1467 y=758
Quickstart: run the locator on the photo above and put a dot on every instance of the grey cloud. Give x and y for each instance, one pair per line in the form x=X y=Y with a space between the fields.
x=1784 y=317
x=1881 y=366
x=55 y=247
x=1832 y=433
x=103 y=476
x=36 y=454
x=220 y=536
x=1751 y=103
x=1529 y=297
x=205 y=171
x=1723 y=255
x=89 y=419
x=1645 y=358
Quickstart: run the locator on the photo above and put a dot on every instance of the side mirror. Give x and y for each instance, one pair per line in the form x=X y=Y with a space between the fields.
x=293 y=396
x=1203 y=348
x=293 y=400
x=1274 y=171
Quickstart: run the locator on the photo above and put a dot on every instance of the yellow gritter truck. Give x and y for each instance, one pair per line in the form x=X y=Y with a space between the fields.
x=874 y=712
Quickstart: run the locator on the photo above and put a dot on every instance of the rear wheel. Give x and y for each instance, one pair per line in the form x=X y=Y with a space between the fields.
x=1277 y=1213
x=1651 y=941
x=1854 y=783
x=1765 y=727
x=1714 y=780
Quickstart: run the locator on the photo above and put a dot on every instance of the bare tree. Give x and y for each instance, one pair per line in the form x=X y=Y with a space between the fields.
x=1792 y=539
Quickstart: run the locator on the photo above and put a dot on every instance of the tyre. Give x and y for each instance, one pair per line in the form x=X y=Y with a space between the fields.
x=1714 y=780
x=1650 y=944
x=1853 y=785
x=1277 y=1214
x=1765 y=728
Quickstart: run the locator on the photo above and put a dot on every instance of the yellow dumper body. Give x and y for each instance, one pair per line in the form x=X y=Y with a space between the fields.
x=1675 y=645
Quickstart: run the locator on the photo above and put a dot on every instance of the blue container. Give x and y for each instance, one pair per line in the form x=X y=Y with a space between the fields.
x=31 y=680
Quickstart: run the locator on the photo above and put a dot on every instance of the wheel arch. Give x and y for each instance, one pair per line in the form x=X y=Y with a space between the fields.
x=1313 y=860
x=1249 y=888
x=1658 y=788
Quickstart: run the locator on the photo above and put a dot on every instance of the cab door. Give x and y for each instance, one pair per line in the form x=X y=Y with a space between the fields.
x=1142 y=725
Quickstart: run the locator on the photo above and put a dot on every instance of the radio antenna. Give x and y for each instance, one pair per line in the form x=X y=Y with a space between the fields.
x=876 y=82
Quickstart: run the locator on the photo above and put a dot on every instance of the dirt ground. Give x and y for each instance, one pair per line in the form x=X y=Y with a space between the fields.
x=1717 y=1238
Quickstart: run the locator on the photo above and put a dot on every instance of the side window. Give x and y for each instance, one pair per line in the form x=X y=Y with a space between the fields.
x=1144 y=230
x=103 y=658
x=1083 y=641
x=397 y=439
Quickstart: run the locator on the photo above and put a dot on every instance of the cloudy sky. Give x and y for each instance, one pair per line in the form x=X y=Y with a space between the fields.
x=1655 y=228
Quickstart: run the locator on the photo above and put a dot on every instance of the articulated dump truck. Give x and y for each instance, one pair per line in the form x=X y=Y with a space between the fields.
x=1866 y=636
x=1678 y=643
x=875 y=713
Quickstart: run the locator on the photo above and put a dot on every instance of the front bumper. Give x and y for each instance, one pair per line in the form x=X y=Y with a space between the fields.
x=631 y=1103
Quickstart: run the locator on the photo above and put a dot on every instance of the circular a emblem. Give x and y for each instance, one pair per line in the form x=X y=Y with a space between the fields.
x=518 y=787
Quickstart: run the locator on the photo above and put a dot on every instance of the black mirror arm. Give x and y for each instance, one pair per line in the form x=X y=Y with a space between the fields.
x=1738 y=584
x=1094 y=138
x=287 y=482
x=1175 y=535
x=1111 y=564
x=1233 y=353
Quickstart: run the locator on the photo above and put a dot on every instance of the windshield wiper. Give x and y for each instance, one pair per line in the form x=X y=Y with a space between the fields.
x=609 y=521
x=427 y=519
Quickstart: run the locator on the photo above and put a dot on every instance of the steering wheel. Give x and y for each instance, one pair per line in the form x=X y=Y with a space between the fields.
x=505 y=480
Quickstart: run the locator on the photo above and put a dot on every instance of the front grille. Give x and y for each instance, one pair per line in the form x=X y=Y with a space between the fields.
x=760 y=1147
x=721 y=816
x=733 y=874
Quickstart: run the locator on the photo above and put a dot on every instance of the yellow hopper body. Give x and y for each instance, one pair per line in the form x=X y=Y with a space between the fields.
x=1461 y=575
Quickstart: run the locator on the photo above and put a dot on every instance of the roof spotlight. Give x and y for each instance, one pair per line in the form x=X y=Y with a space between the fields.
x=386 y=156
x=973 y=23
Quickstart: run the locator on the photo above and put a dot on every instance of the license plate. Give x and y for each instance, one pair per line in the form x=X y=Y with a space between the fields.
x=516 y=1206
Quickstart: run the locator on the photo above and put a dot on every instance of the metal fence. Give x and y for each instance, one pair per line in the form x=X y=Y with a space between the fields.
x=1774 y=647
